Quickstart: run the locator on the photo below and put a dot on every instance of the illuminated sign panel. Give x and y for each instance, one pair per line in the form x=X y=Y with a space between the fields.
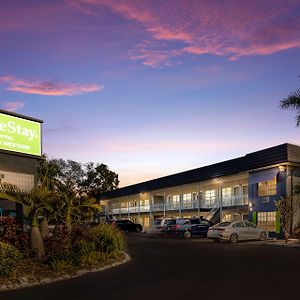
x=20 y=135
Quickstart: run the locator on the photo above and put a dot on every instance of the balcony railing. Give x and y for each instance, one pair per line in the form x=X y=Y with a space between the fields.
x=228 y=201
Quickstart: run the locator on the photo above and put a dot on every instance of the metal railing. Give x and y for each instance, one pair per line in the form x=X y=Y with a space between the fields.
x=227 y=201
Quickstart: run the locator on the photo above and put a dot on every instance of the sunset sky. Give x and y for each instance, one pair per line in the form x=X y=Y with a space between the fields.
x=152 y=87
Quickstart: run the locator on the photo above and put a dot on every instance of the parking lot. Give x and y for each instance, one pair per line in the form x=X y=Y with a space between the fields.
x=172 y=268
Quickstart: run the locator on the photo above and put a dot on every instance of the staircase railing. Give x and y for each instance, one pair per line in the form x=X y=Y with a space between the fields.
x=213 y=210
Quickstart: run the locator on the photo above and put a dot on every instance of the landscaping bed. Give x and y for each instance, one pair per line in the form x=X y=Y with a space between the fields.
x=31 y=272
x=66 y=254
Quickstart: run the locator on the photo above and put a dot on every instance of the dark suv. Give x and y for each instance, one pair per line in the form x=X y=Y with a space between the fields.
x=128 y=225
x=189 y=227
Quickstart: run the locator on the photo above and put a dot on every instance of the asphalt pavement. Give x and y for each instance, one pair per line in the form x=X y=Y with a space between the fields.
x=170 y=268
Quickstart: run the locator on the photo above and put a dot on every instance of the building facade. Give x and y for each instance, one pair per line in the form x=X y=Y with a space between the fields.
x=20 y=150
x=243 y=188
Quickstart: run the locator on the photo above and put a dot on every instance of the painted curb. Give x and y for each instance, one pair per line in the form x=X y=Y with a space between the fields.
x=25 y=284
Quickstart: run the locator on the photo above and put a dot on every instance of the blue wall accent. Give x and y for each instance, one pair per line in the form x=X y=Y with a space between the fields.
x=267 y=203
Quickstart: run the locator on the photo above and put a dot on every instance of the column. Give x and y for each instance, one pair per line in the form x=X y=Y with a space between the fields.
x=180 y=201
x=164 y=204
x=139 y=211
x=198 y=204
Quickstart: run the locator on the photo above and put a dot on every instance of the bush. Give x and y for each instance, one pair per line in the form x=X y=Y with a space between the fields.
x=296 y=232
x=9 y=258
x=83 y=246
x=13 y=234
x=108 y=239
x=58 y=245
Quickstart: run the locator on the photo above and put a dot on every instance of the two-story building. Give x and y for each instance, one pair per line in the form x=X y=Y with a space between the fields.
x=242 y=188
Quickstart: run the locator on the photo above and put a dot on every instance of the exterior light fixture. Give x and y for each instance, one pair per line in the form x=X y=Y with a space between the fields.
x=218 y=179
x=281 y=168
x=250 y=205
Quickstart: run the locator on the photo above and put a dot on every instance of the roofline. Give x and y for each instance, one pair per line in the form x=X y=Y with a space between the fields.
x=136 y=185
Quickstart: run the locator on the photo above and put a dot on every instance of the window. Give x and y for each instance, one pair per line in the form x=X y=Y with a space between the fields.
x=239 y=224
x=226 y=196
x=248 y=224
x=146 y=222
x=210 y=197
x=266 y=220
x=176 y=200
x=267 y=188
x=187 y=199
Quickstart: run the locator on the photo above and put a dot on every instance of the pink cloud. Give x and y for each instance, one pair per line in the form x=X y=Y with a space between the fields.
x=224 y=28
x=13 y=106
x=47 y=88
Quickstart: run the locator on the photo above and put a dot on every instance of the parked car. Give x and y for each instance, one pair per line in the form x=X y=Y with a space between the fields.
x=188 y=228
x=128 y=225
x=236 y=231
x=171 y=226
x=160 y=223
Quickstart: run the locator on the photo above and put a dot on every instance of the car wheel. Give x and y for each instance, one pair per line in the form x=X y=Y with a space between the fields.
x=138 y=229
x=263 y=236
x=234 y=238
x=187 y=234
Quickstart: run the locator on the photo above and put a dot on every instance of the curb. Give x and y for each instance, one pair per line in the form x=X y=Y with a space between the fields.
x=24 y=283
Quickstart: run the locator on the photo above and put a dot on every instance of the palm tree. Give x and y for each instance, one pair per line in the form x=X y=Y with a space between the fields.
x=35 y=203
x=292 y=102
x=77 y=208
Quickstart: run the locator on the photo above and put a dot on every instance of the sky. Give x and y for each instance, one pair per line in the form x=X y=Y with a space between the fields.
x=152 y=87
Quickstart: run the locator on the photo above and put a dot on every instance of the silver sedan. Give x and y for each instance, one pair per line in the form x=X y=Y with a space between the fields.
x=236 y=231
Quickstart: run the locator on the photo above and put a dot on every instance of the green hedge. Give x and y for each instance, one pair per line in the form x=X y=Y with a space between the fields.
x=9 y=258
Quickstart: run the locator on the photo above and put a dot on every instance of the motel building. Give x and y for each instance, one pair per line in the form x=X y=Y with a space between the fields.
x=20 y=150
x=246 y=187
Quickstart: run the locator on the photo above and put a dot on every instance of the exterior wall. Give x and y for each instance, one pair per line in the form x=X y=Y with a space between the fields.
x=20 y=171
x=263 y=211
x=190 y=201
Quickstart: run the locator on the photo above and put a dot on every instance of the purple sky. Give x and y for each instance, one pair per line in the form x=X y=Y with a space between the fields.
x=152 y=87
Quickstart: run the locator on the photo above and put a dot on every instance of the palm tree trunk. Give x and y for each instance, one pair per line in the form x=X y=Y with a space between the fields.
x=68 y=221
x=44 y=228
x=36 y=240
x=37 y=244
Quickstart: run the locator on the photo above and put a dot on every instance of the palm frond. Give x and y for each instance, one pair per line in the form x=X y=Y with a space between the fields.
x=292 y=101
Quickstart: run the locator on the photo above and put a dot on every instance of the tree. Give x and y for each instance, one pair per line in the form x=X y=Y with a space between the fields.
x=56 y=172
x=35 y=203
x=73 y=208
x=99 y=179
x=285 y=207
x=292 y=102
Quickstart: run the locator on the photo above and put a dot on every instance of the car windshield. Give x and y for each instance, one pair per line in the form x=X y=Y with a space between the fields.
x=223 y=224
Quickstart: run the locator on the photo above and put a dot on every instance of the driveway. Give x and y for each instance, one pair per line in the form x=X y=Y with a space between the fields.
x=184 y=269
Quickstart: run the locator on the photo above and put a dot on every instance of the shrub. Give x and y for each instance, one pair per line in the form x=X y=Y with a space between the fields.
x=60 y=265
x=296 y=231
x=108 y=239
x=58 y=245
x=83 y=246
x=9 y=258
x=13 y=234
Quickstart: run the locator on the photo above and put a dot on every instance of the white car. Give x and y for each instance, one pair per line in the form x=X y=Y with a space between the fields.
x=236 y=231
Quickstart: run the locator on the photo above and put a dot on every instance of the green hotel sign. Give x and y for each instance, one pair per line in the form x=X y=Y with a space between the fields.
x=20 y=135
